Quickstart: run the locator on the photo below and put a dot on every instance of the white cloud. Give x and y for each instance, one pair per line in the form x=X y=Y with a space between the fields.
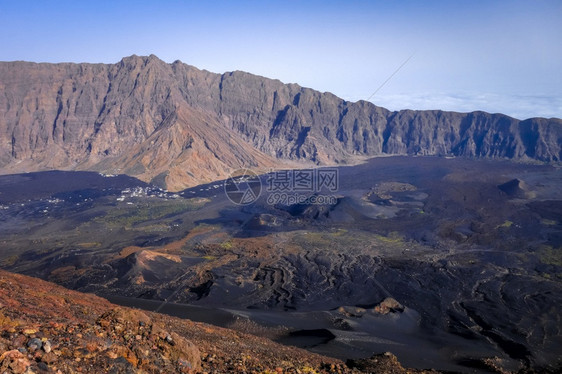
x=518 y=106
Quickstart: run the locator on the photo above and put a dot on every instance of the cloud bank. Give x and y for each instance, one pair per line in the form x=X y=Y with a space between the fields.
x=518 y=106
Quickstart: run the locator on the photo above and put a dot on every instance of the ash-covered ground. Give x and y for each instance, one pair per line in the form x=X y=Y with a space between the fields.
x=451 y=264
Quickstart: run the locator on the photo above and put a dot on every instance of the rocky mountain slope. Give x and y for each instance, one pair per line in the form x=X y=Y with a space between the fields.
x=48 y=329
x=179 y=126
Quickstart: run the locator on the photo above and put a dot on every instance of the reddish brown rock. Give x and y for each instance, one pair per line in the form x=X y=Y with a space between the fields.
x=107 y=338
x=13 y=361
x=178 y=126
x=388 y=305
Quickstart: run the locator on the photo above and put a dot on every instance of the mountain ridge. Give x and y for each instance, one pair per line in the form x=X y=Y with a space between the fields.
x=180 y=126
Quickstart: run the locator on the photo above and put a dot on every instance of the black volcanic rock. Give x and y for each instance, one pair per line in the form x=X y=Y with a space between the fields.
x=512 y=188
x=173 y=122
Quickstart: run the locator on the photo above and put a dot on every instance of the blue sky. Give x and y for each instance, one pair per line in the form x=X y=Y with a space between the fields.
x=498 y=56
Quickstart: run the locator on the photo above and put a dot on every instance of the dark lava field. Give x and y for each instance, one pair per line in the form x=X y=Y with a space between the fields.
x=451 y=264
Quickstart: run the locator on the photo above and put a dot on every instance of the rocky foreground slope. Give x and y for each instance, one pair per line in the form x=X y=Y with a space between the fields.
x=45 y=328
x=178 y=126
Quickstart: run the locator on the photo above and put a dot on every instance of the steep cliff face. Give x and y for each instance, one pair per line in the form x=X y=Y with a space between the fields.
x=130 y=118
x=183 y=126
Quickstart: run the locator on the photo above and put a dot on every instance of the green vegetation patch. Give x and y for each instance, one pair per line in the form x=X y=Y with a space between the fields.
x=506 y=224
x=226 y=245
x=9 y=261
x=549 y=255
x=392 y=238
x=131 y=215
x=351 y=241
